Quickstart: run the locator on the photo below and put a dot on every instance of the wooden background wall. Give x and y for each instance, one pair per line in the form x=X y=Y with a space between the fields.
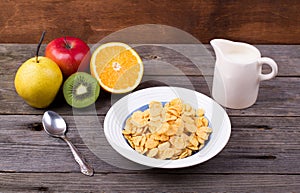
x=253 y=21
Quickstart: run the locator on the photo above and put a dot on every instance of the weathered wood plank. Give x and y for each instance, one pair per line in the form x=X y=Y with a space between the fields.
x=163 y=59
x=277 y=97
x=257 y=145
x=53 y=182
x=256 y=21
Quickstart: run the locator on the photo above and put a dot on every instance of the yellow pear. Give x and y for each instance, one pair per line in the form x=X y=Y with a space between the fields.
x=37 y=81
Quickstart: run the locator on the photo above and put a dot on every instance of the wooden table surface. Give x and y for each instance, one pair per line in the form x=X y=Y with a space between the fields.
x=262 y=154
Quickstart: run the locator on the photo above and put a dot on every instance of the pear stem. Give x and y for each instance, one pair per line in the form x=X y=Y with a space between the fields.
x=39 y=46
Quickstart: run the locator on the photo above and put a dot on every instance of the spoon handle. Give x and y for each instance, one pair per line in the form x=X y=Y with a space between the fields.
x=85 y=168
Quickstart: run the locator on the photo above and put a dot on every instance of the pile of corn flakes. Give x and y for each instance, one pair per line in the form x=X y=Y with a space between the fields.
x=173 y=131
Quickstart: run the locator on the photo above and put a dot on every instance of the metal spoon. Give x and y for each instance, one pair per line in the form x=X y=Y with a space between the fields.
x=55 y=126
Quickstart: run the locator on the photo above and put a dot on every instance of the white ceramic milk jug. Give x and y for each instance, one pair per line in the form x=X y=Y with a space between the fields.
x=238 y=73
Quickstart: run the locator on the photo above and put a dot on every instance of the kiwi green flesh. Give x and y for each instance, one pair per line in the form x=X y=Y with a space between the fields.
x=81 y=90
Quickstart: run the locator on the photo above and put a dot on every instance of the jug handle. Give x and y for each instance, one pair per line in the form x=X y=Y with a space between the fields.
x=272 y=64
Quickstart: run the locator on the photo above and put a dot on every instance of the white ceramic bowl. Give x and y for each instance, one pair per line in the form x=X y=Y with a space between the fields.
x=118 y=113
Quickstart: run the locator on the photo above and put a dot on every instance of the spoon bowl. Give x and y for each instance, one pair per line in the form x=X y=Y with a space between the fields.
x=55 y=126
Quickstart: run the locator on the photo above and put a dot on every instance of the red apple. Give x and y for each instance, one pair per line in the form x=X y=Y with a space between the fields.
x=70 y=53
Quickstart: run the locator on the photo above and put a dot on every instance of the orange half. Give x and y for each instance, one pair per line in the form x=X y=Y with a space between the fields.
x=117 y=67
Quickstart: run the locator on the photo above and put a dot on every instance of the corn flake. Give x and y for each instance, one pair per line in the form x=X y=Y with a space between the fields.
x=173 y=131
x=152 y=152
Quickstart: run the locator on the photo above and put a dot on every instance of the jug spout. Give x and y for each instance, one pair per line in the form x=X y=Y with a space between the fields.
x=234 y=52
x=220 y=46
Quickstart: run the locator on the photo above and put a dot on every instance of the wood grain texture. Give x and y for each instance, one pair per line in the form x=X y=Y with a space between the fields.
x=257 y=145
x=262 y=154
x=277 y=97
x=265 y=22
x=36 y=182
x=164 y=59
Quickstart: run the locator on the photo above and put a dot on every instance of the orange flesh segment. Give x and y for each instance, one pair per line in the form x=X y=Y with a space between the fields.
x=120 y=71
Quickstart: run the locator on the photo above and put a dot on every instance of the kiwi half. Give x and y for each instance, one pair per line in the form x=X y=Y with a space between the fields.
x=81 y=90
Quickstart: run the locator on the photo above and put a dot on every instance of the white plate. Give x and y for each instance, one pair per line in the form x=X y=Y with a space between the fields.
x=118 y=113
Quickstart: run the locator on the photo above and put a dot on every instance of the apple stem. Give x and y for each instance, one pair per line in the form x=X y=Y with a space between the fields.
x=67 y=44
x=39 y=45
